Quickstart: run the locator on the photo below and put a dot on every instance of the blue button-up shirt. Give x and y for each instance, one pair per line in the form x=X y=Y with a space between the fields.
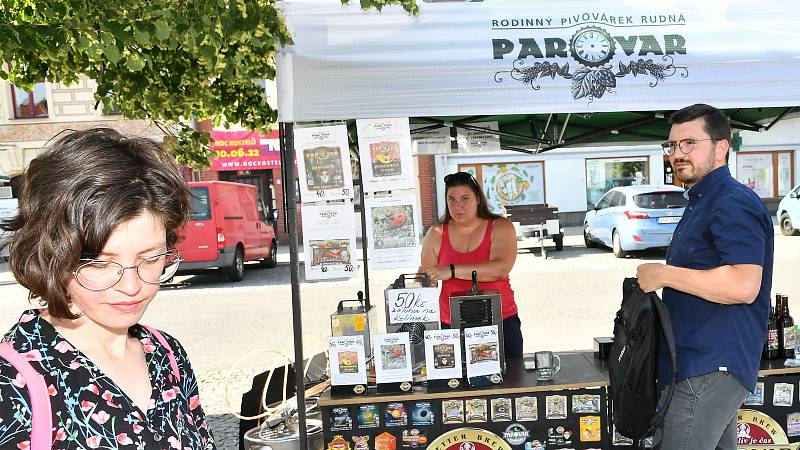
x=725 y=223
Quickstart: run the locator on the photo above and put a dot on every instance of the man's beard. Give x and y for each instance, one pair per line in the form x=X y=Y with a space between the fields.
x=696 y=172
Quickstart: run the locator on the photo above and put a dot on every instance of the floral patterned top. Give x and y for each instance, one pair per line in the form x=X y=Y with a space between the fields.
x=89 y=409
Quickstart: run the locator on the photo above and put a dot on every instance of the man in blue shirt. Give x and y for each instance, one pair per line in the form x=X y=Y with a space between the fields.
x=716 y=283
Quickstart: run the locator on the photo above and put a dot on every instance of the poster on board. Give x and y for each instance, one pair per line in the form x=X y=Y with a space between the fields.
x=754 y=170
x=513 y=184
x=385 y=151
x=323 y=163
x=393 y=229
x=329 y=241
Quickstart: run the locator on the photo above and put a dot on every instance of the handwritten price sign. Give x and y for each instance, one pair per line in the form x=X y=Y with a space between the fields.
x=413 y=305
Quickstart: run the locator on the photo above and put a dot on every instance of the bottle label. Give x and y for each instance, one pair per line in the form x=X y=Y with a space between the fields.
x=772 y=339
x=788 y=338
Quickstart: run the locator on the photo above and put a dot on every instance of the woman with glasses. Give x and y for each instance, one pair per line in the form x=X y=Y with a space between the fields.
x=92 y=241
x=470 y=238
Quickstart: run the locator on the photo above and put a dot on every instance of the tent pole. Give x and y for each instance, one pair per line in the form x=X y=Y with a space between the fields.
x=364 y=254
x=778 y=119
x=286 y=132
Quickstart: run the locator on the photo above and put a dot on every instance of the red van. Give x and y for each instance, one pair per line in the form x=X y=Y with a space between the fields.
x=228 y=226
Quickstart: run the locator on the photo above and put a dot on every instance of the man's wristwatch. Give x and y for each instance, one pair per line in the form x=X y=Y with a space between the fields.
x=452 y=271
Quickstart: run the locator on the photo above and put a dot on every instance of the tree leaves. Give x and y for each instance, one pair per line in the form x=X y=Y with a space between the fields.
x=112 y=53
x=162 y=60
x=162 y=29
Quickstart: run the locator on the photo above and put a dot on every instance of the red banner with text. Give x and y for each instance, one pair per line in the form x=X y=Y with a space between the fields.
x=244 y=150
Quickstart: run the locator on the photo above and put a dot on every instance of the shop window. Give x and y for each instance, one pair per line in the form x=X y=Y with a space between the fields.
x=602 y=174
x=30 y=104
x=507 y=184
x=769 y=174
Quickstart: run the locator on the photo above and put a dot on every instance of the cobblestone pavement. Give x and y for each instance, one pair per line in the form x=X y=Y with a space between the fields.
x=224 y=425
x=564 y=301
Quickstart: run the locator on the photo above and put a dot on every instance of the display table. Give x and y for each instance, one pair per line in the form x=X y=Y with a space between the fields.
x=572 y=411
x=521 y=410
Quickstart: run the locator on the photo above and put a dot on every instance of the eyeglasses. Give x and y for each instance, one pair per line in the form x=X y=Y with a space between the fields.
x=685 y=145
x=98 y=275
x=459 y=178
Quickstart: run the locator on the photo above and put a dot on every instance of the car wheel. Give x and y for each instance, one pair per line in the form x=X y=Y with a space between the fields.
x=616 y=246
x=786 y=225
x=559 y=241
x=236 y=271
x=272 y=260
x=587 y=238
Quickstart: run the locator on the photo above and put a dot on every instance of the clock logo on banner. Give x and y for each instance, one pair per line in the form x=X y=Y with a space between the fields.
x=601 y=50
x=592 y=46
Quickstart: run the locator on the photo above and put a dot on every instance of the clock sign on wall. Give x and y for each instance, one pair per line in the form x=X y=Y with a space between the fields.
x=592 y=46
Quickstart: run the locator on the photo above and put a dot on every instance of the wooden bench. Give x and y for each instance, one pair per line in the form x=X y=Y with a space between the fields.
x=539 y=221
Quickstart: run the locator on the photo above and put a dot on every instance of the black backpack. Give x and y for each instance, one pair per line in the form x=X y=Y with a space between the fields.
x=633 y=363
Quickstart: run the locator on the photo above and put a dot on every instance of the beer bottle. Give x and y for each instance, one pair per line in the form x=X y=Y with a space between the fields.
x=787 y=328
x=778 y=322
x=771 y=348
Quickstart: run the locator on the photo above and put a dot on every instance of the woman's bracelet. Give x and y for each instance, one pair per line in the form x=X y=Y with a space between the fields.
x=452 y=271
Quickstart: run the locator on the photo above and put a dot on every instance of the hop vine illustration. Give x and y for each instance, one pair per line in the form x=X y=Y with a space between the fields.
x=591 y=82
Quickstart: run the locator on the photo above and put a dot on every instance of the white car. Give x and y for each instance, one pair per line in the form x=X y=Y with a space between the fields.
x=789 y=212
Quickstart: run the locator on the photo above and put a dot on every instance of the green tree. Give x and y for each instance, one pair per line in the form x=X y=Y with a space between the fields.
x=164 y=60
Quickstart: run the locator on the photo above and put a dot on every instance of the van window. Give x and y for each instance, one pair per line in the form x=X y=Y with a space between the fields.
x=660 y=200
x=200 y=204
x=260 y=205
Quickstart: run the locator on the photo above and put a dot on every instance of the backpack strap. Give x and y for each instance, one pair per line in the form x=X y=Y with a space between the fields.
x=41 y=415
x=173 y=363
x=666 y=328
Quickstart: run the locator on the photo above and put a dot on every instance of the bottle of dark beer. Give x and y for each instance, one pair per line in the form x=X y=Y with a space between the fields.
x=778 y=320
x=771 y=346
x=787 y=329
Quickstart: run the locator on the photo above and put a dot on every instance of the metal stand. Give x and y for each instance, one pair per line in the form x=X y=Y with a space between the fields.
x=286 y=131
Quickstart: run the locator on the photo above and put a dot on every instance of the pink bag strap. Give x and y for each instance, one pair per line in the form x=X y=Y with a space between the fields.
x=41 y=415
x=173 y=363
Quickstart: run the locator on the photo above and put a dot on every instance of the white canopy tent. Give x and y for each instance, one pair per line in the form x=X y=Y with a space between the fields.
x=521 y=58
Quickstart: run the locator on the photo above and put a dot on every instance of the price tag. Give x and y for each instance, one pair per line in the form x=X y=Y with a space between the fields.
x=413 y=305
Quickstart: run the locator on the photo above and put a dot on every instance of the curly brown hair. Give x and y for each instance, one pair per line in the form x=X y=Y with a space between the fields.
x=75 y=193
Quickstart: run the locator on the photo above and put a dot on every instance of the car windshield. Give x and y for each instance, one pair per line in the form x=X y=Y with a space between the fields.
x=660 y=200
x=200 y=208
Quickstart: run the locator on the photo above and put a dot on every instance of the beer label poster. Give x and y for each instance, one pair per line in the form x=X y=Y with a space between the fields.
x=347 y=360
x=442 y=354
x=329 y=241
x=392 y=358
x=483 y=351
x=393 y=229
x=384 y=147
x=323 y=163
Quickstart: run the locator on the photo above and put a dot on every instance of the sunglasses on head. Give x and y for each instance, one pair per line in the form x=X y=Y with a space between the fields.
x=459 y=178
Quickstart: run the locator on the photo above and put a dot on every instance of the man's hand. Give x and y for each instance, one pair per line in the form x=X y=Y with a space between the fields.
x=651 y=276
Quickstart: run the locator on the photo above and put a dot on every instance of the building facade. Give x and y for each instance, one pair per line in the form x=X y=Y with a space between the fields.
x=28 y=120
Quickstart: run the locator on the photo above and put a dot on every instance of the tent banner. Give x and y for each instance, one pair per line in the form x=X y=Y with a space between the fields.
x=244 y=150
x=500 y=57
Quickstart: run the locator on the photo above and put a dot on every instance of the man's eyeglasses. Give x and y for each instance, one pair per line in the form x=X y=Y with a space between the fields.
x=684 y=145
x=98 y=275
x=459 y=178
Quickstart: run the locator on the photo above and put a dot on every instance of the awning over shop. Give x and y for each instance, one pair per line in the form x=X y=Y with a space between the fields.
x=583 y=62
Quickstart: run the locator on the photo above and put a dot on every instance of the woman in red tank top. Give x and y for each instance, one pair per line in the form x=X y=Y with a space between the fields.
x=471 y=238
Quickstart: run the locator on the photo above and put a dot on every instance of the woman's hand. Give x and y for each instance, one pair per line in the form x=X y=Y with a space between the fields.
x=437 y=273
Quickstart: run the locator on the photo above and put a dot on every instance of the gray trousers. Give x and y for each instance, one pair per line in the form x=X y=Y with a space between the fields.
x=702 y=414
